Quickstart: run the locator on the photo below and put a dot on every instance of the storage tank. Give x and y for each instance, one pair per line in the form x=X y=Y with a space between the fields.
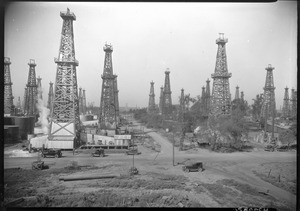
x=11 y=133
x=26 y=125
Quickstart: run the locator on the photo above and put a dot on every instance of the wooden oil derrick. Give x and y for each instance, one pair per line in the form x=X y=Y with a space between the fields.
x=269 y=105
x=167 y=101
x=64 y=120
x=286 y=104
x=108 y=107
x=8 y=96
x=151 y=104
x=221 y=102
x=32 y=92
x=237 y=93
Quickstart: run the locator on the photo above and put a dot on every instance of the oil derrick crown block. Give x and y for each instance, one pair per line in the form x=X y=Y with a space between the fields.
x=220 y=102
x=65 y=112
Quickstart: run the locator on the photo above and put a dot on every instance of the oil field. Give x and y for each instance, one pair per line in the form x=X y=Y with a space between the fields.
x=195 y=147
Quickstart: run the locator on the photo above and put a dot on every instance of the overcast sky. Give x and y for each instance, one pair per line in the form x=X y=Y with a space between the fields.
x=147 y=38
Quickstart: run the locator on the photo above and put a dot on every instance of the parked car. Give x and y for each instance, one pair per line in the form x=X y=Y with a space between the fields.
x=270 y=148
x=87 y=149
x=51 y=153
x=132 y=152
x=98 y=153
x=282 y=148
x=194 y=166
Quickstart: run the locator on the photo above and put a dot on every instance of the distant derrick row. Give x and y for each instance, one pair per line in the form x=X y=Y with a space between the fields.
x=269 y=105
x=65 y=114
x=8 y=96
x=220 y=102
x=108 y=118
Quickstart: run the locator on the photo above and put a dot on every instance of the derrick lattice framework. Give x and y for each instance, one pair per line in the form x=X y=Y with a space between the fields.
x=293 y=103
x=167 y=101
x=32 y=94
x=108 y=110
x=64 y=121
x=161 y=100
x=116 y=91
x=269 y=105
x=237 y=93
x=8 y=96
x=151 y=104
x=50 y=97
x=220 y=102
x=84 y=102
x=80 y=101
x=286 y=104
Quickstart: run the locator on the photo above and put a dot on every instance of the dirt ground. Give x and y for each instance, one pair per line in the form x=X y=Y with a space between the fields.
x=228 y=180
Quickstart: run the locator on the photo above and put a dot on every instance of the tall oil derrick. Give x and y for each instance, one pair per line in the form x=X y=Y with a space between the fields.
x=237 y=93
x=84 y=102
x=39 y=88
x=220 y=102
x=80 y=101
x=50 y=97
x=116 y=94
x=207 y=98
x=286 y=104
x=269 y=105
x=161 y=99
x=167 y=101
x=8 y=96
x=151 y=104
x=65 y=121
x=108 y=116
x=242 y=96
x=32 y=94
x=293 y=103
